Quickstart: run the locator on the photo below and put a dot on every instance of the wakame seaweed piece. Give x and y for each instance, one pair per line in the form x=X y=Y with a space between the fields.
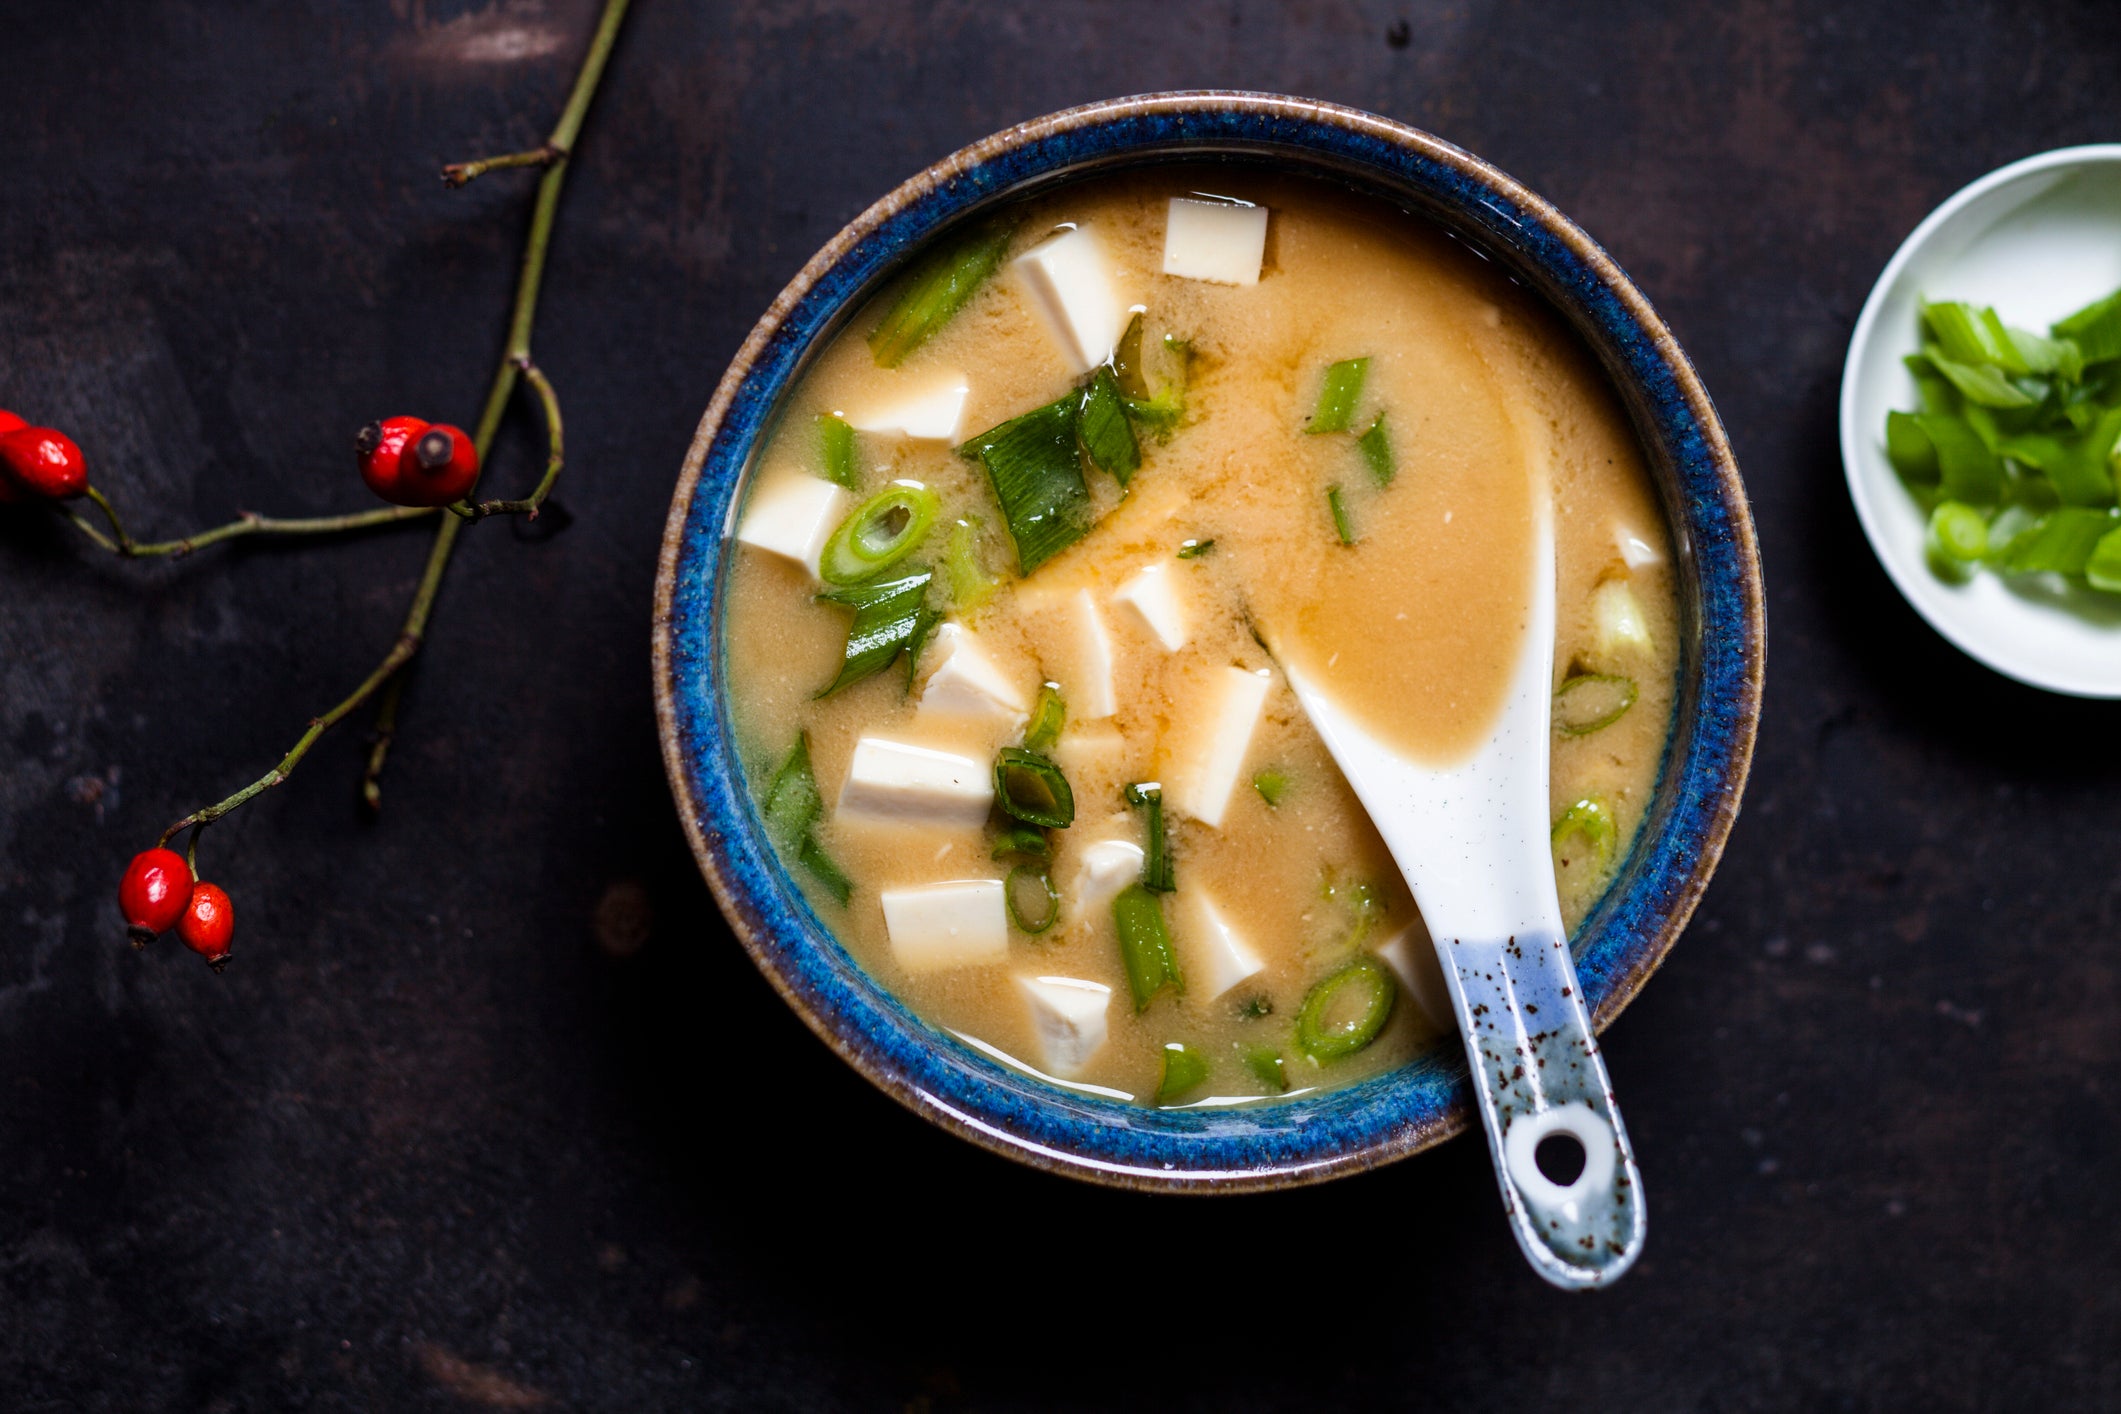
x=2060 y=542
x=1107 y=436
x=1048 y=716
x=887 y=615
x=793 y=802
x=1025 y=877
x=1184 y=1069
x=1346 y=1011
x=1909 y=448
x=1338 y=396
x=2095 y=329
x=1031 y=788
x=1591 y=702
x=937 y=289
x=1968 y=470
x=1338 y=507
x=1376 y=445
x=822 y=868
x=879 y=533
x=2103 y=570
x=1037 y=475
x=835 y=441
x=1158 y=872
x=1979 y=382
x=1144 y=945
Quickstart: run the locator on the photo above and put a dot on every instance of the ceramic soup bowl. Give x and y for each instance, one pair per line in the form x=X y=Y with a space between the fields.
x=1314 y=1136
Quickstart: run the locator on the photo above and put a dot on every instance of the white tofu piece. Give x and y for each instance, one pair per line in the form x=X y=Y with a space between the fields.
x=966 y=682
x=931 y=414
x=1213 y=956
x=1208 y=773
x=1412 y=957
x=1070 y=283
x=1637 y=550
x=898 y=782
x=961 y=923
x=1068 y=1016
x=793 y=517
x=1101 y=871
x=1153 y=596
x=1091 y=697
x=1617 y=620
x=1223 y=242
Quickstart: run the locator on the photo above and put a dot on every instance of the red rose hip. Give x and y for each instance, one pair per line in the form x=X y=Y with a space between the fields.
x=208 y=923
x=43 y=462
x=154 y=893
x=439 y=466
x=378 y=449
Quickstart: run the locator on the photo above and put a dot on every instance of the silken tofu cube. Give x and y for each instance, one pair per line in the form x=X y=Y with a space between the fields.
x=1224 y=242
x=966 y=682
x=961 y=923
x=1068 y=1018
x=1210 y=763
x=1213 y=955
x=1070 y=284
x=793 y=516
x=1153 y=596
x=932 y=413
x=897 y=782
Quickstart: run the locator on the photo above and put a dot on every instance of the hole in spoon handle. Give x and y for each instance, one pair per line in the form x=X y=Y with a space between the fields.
x=1541 y=1084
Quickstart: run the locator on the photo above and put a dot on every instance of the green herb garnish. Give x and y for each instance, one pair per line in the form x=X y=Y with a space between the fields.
x=1144 y=944
x=1376 y=447
x=1184 y=1069
x=1158 y=872
x=1194 y=549
x=1038 y=884
x=937 y=289
x=1048 y=716
x=1346 y=1011
x=1031 y=788
x=887 y=617
x=792 y=807
x=1339 y=395
x=836 y=450
x=1037 y=475
x=879 y=533
x=1271 y=784
x=1107 y=437
x=1341 y=525
x=1590 y=702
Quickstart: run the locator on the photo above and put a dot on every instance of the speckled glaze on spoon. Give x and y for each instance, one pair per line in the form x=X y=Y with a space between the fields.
x=1472 y=841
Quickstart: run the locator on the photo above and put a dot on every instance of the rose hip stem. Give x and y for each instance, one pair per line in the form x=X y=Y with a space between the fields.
x=515 y=363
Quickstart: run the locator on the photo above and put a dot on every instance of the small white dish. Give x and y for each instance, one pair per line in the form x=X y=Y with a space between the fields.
x=2038 y=239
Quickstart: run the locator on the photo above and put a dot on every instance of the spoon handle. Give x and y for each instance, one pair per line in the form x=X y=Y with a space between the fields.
x=1537 y=1072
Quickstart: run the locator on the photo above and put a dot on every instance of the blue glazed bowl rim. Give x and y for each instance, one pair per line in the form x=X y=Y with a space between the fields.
x=1313 y=1137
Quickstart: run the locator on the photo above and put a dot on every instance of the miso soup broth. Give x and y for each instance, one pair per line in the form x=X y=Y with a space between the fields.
x=991 y=622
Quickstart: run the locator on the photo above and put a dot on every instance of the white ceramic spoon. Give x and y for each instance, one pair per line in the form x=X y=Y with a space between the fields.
x=1473 y=843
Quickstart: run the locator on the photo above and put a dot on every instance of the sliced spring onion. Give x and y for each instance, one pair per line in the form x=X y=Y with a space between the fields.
x=792 y=801
x=1376 y=445
x=1968 y=469
x=1366 y=907
x=1127 y=368
x=1158 y=872
x=1107 y=436
x=887 y=615
x=1184 y=1069
x=1163 y=412
x=1339 y=509
x=1048 y=716
x=1338 y=396
x=924 y=626
x=1036 y=884
x=2095 y=329
x=1909 y=448
x=1265 y=1064
x=2060 y=542
x=821 y=867
x=1037 y=475
x=1970 y=335
x=1272 y=785
x=2103 y=569
x=938 y=288
x=1590 y=702
x=970 y=584
x=1031 y=788
x=1958 y=534
x=835 y=440
x=1018 y=838
x=1144 y=944
x=1255 y=1007
x=1194 y=549
x=879 y=533
x=1979 y=382
x=1346 y=1011
x=1591 y=820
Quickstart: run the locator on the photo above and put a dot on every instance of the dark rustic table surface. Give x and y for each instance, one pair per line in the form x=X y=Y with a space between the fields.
x=490 y=1110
